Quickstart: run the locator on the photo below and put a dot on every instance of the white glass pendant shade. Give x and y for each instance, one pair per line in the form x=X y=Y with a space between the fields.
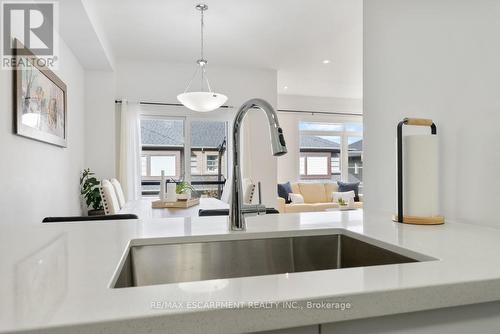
x=202 y=101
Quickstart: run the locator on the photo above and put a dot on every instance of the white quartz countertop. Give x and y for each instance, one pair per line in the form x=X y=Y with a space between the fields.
x=57 y=277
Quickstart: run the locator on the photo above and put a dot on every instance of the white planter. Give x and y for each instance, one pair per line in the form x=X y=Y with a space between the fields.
x=184 y=196
x=344 y=207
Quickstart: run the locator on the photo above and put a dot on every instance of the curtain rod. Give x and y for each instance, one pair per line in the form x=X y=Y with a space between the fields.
x=319 y=112
x=167 y=104
x=279 y=110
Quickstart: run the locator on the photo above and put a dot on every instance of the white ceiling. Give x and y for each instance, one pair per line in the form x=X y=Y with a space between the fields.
x=291 y=36
x=81 y=35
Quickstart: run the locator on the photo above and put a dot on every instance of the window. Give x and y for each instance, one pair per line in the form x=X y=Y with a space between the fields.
x=163 y=163
x=319 y=155
x=194 y=164
x=331 y=151
x=144 y=165
x=162 y=142
x=322 y=127
x=212 y=163
x=355 y=160
x=354 y=127
x=317 y=166
x=335 y=163
x=206 y=137
x=164 y=145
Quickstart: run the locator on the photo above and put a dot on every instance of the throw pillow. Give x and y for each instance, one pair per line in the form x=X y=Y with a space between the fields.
x=344 y=195
x=348 y=186
x=296 y=198
x=283 y=190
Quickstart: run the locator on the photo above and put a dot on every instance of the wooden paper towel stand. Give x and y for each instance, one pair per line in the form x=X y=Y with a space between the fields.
x=400 y=217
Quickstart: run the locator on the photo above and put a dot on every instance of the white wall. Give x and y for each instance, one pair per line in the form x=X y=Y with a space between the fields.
x=40 y=179
x=161 y=82
x=320 y=103
x=100 y=143
x=435 y=59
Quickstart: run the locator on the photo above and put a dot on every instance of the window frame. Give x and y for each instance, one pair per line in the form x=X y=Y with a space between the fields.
x=344 y=145
x=171 y=112
x=332 y=172
x=306 y=155
x=195 y=161
x=167 y=152
x=205 y=167
x=159 y=148
x=358 y=168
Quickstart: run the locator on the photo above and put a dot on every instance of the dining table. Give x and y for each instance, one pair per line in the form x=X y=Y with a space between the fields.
x=143 y=208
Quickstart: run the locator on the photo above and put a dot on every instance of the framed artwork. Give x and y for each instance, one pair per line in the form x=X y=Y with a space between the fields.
x=40 y=101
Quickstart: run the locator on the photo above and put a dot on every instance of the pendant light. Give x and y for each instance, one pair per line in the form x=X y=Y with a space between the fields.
x=201 y=101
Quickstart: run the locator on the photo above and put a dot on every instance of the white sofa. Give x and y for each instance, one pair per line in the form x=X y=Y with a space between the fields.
x=317 y=197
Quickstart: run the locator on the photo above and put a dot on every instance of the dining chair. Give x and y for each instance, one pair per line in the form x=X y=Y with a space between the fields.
x=70 y=219
x=109 y=198
x=226 y=192
x=248 y=190
x=247 y=186
x=225 y=212
x=119 y=192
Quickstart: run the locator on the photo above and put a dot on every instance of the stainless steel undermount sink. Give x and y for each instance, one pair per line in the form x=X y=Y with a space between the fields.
x=186 y=262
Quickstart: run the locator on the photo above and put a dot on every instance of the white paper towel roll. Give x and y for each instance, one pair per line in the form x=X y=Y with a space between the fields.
x=421 y=179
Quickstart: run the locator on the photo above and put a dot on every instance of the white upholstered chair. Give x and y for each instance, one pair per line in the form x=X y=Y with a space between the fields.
x=119 y=192
x=226 y=192
x=109 y=198
x=248 y=191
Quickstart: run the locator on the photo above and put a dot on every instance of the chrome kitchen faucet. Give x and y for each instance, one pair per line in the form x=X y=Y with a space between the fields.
x=238 y=208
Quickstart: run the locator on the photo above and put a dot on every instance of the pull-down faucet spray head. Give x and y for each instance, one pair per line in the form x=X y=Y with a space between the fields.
x=278 y=142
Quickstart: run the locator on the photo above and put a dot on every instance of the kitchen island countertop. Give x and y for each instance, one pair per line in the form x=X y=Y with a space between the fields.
x=58 y=277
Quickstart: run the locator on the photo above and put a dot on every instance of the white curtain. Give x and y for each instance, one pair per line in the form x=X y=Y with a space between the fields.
x=129 y=170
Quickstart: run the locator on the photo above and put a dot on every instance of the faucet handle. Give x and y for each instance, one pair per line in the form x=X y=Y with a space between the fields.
x=280 y=137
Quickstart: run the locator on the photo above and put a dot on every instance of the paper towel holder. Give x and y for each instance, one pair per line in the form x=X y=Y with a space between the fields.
x=400 y=217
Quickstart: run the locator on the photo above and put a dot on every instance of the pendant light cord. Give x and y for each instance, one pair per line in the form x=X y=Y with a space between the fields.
x=202 y=26
x=201 y=48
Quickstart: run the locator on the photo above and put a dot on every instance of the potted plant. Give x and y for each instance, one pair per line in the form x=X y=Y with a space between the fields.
x=343 y=204
x=183 y=190
x=89 y=189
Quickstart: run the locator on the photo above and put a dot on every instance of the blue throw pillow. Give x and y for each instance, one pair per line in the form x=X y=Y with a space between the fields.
x=348 y=186
x=283 y=190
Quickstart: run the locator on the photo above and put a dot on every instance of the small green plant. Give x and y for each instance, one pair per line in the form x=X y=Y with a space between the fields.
x=183 y=187
x=89 y=188
x=342 y=202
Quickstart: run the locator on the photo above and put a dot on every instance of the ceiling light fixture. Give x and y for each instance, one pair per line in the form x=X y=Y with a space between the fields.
x=326 y=61
x=201 y=101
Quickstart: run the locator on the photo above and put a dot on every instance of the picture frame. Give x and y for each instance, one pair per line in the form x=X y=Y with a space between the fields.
x=40 y=100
